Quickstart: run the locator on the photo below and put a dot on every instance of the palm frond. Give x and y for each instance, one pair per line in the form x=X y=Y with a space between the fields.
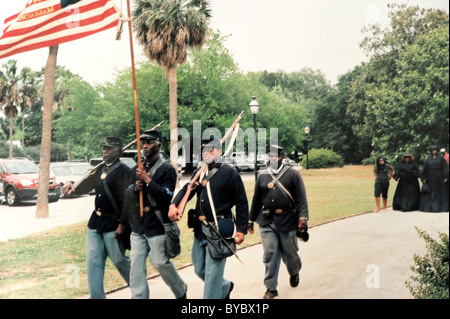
x=166 y=28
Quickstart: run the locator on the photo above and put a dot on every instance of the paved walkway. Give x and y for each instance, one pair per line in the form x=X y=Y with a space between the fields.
x=367 y=256
x=364 y=257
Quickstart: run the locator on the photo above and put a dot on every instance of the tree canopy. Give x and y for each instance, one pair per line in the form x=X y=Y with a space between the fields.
x=399 y=102
x=396 y=102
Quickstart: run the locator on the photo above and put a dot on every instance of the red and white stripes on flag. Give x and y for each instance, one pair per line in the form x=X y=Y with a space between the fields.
x=44 y=23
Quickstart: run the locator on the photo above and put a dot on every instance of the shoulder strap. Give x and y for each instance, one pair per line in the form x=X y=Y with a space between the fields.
x=208 y=190
x=277 y=176
x=157 y=164
x=151 y=199
x=276 y=179
x=159 y=215
x=211 y=203
x=111 y=197
x=106 y=187
x=211 y=173
x=111 y=168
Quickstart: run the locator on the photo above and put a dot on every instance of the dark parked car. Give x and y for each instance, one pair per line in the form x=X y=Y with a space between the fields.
x=20 y=181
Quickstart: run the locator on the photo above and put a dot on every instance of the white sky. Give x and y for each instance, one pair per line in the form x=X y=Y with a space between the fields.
x=270 y=35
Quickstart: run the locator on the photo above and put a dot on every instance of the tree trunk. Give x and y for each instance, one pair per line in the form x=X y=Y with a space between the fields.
x=46 y=142
x=173 y=118
x=11 y=132
x=69 y=152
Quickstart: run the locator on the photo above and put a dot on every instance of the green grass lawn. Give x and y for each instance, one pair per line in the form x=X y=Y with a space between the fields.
x=51 y=264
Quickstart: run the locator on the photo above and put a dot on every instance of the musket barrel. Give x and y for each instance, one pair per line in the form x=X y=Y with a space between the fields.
x=98 y=166
x=182 y=204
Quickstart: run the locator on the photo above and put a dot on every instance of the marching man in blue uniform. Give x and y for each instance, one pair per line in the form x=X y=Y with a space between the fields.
x=280 y=208
x=217 y=192
x=110 y=181
x=157 y=182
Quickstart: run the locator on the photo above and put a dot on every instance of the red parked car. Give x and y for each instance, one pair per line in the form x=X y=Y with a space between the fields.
x=20 y=181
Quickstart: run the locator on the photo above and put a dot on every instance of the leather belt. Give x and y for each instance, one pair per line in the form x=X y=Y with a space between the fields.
x=272 y=211
x=99 y=213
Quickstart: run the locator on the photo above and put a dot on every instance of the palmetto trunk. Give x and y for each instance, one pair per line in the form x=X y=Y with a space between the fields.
x=173 y=117
x=44 y=164
x=11 y=132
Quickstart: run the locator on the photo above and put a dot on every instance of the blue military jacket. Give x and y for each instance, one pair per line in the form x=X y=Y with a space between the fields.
x=104 y=218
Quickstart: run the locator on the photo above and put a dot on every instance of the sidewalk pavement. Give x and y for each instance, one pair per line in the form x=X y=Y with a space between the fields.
x=363 y=257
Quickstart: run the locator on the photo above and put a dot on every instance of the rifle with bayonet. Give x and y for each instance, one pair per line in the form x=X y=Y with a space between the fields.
x=192 y=183
x=87 y=182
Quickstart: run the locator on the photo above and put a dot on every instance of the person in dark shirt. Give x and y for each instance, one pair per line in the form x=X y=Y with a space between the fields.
x=110 y=182
x=227 y=190
x=382 y=172
x=280 y=215
x=157 y=180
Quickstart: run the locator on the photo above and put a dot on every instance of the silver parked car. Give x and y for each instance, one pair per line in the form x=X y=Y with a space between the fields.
x=66 y=172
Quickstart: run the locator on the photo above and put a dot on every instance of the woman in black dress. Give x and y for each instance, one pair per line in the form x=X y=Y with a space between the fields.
x=407 y=193
x=435 y=174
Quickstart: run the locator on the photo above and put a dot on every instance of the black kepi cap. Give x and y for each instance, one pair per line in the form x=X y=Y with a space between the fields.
x=276 y=149
x=212 y=143
x=112 y=141
x=152 y=135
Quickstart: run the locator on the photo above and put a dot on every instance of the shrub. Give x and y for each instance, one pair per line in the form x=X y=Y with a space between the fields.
x=432 y=270
x=33 y=153
x=4 y=151
x=323 y=158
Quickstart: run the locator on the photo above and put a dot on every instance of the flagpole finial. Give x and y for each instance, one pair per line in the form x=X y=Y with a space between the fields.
x=119 y=30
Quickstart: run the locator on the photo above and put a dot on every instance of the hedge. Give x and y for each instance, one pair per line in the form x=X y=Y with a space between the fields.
x=323 y=158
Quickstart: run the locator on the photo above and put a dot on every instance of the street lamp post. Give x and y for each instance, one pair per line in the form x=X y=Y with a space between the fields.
x=307 y=130
x=254 y=108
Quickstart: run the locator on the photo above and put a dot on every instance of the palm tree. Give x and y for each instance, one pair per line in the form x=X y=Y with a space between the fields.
x=166 y=28
x=46 y=143
x=18 y=92
x=63 y=77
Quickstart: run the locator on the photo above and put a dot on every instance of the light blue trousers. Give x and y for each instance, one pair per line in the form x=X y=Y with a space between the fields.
x=277 y=246
x=141 y=246
x=209 y=270
x=99 y=246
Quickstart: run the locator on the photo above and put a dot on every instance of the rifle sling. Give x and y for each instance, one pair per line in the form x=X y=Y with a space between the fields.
x=207 y=178
x=211 y=200
x=106 y=187
x=150 y=198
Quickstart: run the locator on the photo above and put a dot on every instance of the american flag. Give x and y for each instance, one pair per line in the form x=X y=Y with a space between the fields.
x=45 y=23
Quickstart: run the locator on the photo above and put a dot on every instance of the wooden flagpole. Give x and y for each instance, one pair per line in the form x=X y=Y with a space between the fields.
x=136 y=108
